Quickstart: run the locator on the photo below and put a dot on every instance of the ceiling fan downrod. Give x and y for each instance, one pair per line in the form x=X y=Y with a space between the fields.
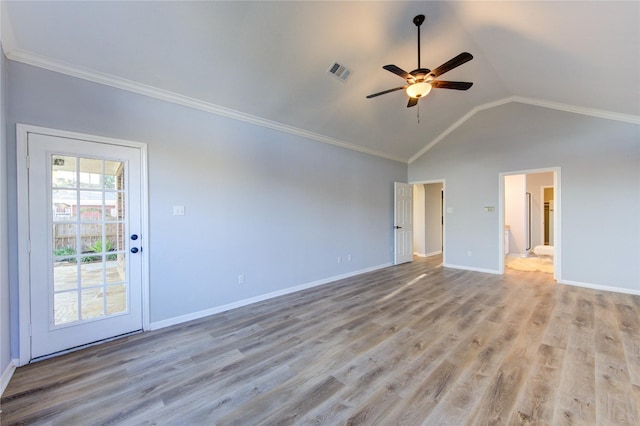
x=418 y=20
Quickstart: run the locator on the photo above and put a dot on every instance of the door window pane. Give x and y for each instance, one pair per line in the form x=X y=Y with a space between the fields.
x=117 y=233
x=116 y=299
x=116 y=269
x=64 y=204
x=65 y=307
x=90 y=206
x=64 y=241
x=92 y=303
x=112 y=205
x=63 y=172
x=113 y=174
x=90 y=173
x=65 y=275
x=90 y=233
x=92 y=271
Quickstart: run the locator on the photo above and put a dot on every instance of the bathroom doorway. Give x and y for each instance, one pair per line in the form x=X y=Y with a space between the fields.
x=529 y=221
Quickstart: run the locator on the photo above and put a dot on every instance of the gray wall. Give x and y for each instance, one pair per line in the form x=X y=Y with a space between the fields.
x=5 y=346
x=419 y=232
x=600 y=187
x=515 y=213
x=275 y=207
x=433 y=217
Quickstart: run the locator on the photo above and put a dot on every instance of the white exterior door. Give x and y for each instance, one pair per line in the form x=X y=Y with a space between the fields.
x=403 y=223
x=85 y=264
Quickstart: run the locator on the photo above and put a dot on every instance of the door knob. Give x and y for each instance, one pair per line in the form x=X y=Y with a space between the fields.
x=398 y=227
x=134 y=250
x=134 y=237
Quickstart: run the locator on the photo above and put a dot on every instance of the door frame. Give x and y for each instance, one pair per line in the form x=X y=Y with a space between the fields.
x=557 y=228
x=24 y=278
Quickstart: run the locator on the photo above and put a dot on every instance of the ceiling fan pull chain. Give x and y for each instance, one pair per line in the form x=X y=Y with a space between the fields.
x=418 y=112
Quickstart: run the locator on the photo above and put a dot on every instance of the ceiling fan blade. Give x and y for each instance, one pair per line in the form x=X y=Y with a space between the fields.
x=412 y=102
x=457 y=85
x=452 y=63
x=398 y=71
x=386 y=91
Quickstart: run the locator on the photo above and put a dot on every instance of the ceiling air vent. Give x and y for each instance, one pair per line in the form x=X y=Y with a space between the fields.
x=339 y=71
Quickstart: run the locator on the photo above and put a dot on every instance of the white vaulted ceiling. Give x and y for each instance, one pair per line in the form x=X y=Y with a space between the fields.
x=267 y=62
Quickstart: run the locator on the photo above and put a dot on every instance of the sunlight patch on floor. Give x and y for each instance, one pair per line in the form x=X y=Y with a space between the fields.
x=530 y=264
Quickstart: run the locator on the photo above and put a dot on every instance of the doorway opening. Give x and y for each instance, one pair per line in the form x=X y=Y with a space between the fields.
x=530 y=221
x=428 y=223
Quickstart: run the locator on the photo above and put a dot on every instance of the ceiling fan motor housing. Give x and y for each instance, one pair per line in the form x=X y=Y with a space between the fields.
x=421 y=74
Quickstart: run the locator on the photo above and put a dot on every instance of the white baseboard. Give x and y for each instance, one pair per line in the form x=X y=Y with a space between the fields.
x=433 y=253
x=601 y=287
x=217 y=309
x=471 y=268
x=7 y=374
x=561 y=281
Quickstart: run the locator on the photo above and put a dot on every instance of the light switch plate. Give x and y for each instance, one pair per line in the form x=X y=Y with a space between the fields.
x=178 y=210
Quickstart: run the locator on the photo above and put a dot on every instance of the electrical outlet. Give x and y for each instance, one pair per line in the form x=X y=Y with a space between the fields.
x=241 y=279
x=339 y=259
x=348 y=258
x=469 y=253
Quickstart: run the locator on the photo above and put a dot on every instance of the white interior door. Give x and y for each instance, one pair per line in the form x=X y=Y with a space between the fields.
x=85 y=265
x=403 y=222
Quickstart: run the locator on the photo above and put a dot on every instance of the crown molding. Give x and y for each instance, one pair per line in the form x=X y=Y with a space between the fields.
x=627 y=118
x=165 y=95
x=33 y=59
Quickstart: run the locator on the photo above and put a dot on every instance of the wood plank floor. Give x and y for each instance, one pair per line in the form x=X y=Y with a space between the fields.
x=411 y=344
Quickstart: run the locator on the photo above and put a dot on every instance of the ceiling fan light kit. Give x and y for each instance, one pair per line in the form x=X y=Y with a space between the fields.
x=418 y=90
x=421 y=80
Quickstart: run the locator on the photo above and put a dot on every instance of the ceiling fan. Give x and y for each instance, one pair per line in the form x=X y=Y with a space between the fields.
x=421 y=80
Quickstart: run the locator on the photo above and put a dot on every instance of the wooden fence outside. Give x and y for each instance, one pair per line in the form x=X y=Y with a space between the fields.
x=64 y=235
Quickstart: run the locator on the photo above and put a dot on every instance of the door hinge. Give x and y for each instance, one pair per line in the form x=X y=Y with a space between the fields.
x=29 y=246
x=28 y=161
x=30 y=331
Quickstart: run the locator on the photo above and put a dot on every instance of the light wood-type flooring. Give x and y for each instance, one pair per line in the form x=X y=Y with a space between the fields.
x=410 y=344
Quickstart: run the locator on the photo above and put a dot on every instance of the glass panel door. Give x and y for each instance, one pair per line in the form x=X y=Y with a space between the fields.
x=85 y=270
